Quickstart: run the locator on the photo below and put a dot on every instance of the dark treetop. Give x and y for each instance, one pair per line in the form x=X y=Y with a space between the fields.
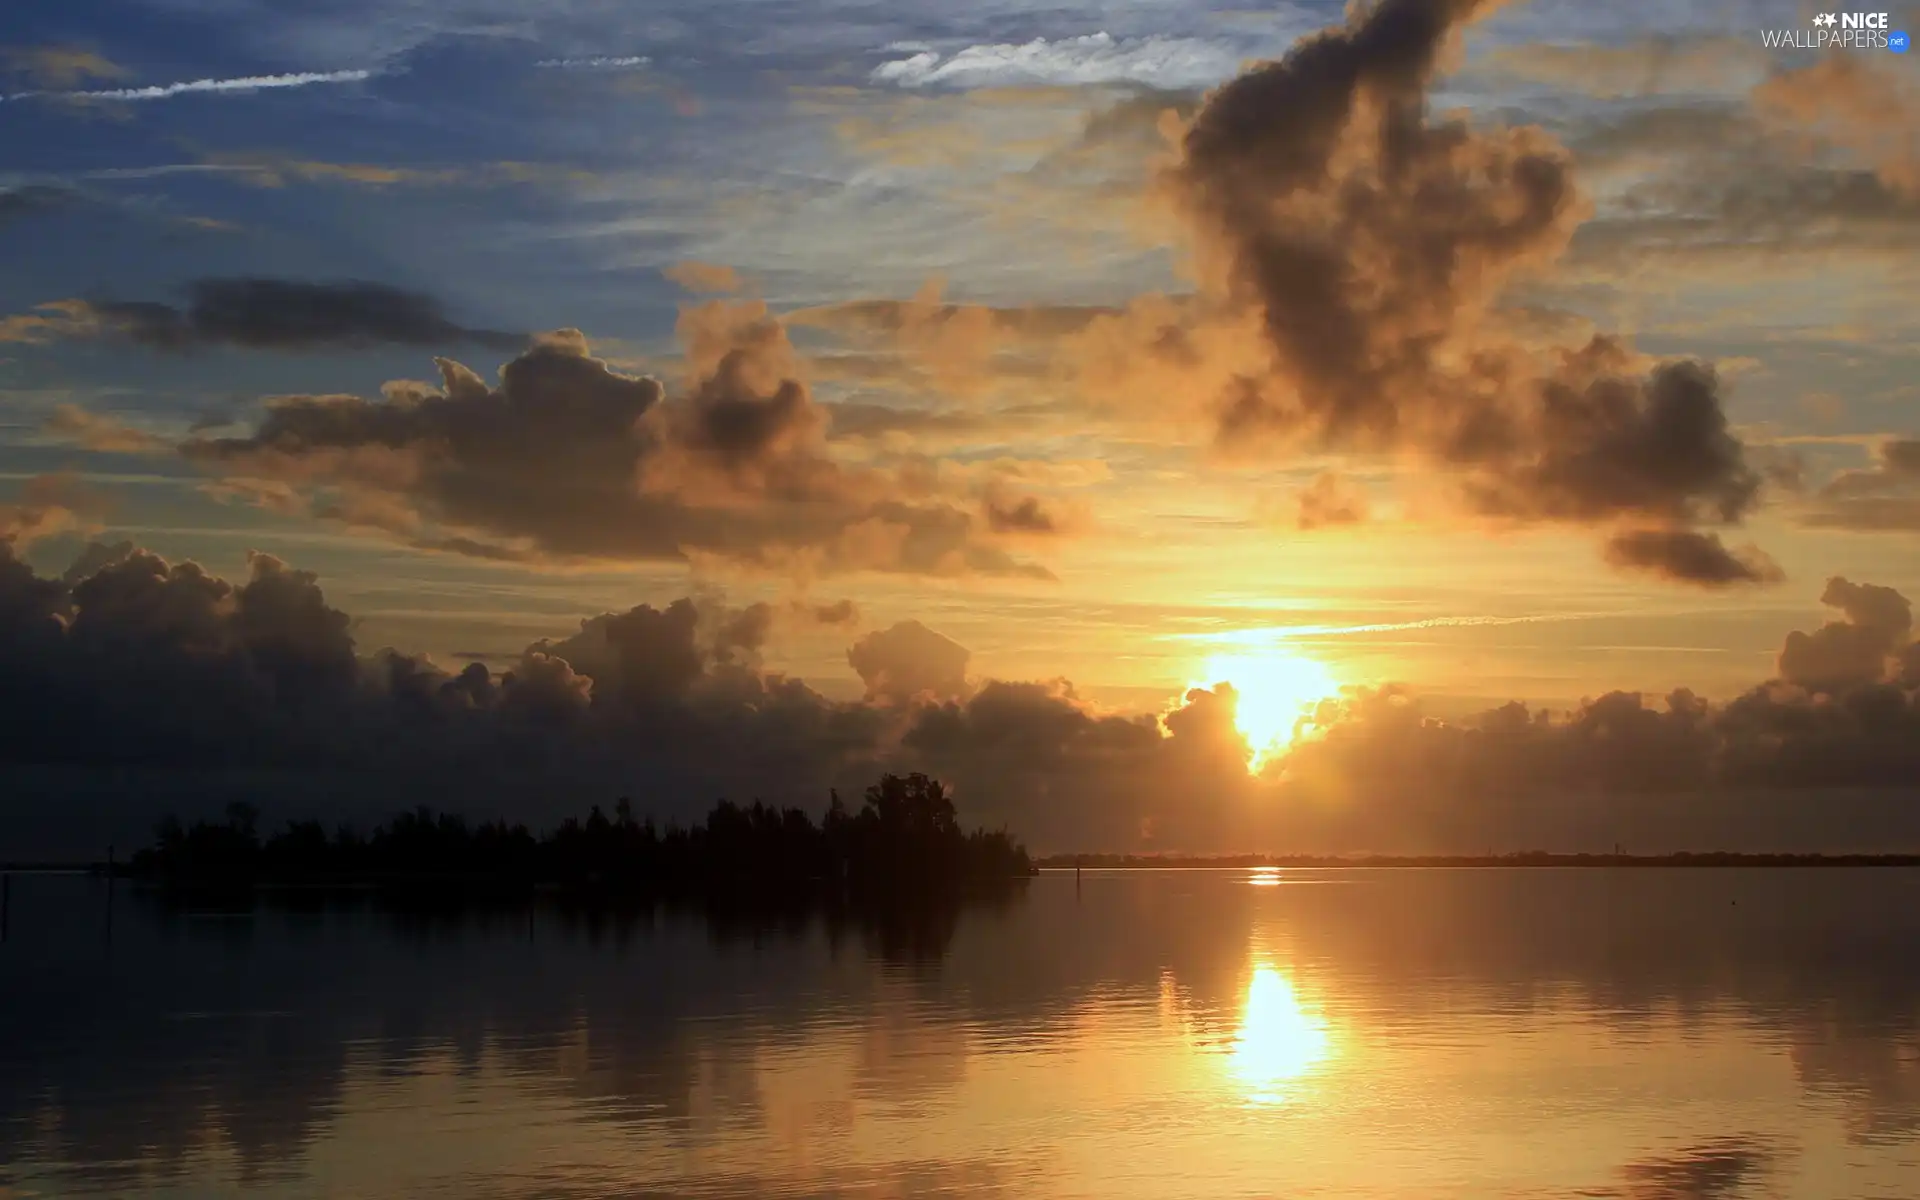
x=904 y=838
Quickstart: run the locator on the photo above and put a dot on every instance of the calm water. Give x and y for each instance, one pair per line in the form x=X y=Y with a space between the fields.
x=1150 y=1034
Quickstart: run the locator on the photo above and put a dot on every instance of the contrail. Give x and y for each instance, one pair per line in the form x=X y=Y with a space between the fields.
x=1284 y=632
x=166 y=91
x=593 y=64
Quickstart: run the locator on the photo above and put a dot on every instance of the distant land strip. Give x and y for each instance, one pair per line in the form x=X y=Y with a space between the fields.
x=1531 y=858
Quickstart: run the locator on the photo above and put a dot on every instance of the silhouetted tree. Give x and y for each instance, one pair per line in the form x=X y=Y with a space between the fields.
x=905 y=838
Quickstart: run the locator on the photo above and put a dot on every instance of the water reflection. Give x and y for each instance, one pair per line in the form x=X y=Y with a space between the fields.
x=1162 y=1035
x=1279 y=1040
x=1265 y=877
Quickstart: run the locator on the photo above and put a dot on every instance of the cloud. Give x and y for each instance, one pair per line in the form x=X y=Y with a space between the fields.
x=1810 y=162
x=56 y=319
x=37 y=199
x=1652 y=66
x=1844 y=100
x=132 y=663
x=283 y=314
x=569 y=460
x=72 y=423
x=838 y=612
x=45 y=505
x=1882 y=498
x=1685 y=556
x=1329 y=500
x=907 y=661
x=1847 y=654
x=59 y=66
x=704 y=277
x=1021 y=515
x=960 y=348
x=243 y=85
x=1098 y=58
x=1368 y=244
x=599 y=63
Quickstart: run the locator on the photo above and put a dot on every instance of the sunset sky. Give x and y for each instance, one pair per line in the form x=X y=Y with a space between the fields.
x=1507 y=352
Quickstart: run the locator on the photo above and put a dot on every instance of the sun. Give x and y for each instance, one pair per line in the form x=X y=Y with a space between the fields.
x=1274 y=689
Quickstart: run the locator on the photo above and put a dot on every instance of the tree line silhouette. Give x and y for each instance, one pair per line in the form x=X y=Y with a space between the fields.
x=906 y=836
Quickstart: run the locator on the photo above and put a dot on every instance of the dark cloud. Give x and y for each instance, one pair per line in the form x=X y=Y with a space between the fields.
x=1685 y=556
x=1843 y=655
x=907 y=660
x=1023 y=515
x=1371 y=242
x=136 y=664
x=283 y=314
x=140 y=682
x=568 y=459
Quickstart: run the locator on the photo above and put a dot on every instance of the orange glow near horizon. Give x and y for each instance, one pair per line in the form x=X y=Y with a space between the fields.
x=1273 y=689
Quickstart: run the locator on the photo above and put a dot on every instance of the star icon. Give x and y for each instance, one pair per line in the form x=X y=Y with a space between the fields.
x=1826 y=19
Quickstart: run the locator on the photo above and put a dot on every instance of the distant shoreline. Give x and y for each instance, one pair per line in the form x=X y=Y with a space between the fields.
x=1530 y=860
x=1108 y=862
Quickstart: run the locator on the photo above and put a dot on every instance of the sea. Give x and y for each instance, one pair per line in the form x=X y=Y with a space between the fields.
x=1639 y=1033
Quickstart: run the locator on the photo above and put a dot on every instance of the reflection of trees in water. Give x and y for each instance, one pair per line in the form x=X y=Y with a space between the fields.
x=241 y=1029
x=225 y=1026
x=1714 y=1170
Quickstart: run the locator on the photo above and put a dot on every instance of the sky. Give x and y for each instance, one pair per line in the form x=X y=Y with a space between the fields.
x=523 y=405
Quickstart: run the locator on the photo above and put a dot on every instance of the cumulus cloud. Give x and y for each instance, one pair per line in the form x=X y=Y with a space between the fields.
x=1367 y=243
x=283 y=314
x=906 y=661
x=131 y=664
x=1846 y=654
x=134 y=662
x=570 y=460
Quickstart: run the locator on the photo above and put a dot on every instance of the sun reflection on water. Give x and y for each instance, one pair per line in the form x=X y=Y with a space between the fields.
x=1279 y=1040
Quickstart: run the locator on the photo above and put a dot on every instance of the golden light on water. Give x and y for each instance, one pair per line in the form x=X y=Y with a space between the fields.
x=1279 y=1040
x=1273 y=688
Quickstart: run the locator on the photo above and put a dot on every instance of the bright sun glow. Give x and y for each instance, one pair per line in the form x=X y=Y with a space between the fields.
x=1274 y=689
x=1279 y=1039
